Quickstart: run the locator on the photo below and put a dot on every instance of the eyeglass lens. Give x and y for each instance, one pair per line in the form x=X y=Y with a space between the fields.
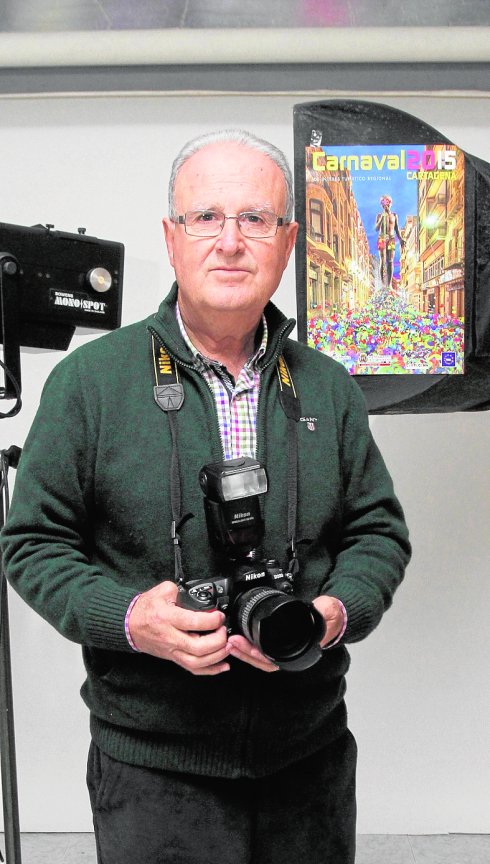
x=253 y=223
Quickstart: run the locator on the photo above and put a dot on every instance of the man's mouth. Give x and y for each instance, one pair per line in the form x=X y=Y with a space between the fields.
x=229 y=270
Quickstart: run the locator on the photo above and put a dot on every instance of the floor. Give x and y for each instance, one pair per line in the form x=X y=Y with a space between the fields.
x=371 y=849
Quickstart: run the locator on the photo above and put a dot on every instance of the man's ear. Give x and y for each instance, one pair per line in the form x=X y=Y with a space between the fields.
x=169 y=231
x=291 y=234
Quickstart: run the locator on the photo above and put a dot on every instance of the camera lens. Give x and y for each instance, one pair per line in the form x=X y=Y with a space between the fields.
x=283 y=627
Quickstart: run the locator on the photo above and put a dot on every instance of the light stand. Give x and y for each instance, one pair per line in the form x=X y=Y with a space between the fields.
x=7 y=730
x=9 y=311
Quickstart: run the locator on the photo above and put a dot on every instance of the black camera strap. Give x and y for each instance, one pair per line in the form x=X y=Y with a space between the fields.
x=168 y=393
x=292 y=409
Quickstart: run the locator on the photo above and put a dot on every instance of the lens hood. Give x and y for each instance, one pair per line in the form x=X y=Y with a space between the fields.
x=284 y=628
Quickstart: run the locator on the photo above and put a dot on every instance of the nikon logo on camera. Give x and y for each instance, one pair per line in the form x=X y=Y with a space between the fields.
x=250 y=576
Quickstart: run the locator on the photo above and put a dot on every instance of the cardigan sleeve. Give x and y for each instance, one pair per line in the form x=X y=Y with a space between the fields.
x=46 y=541
x=374 y=547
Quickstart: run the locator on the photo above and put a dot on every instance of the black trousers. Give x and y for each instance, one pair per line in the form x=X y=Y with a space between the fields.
x=305 y=814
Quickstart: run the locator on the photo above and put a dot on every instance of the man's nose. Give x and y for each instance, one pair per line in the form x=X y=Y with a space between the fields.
x=230 y=239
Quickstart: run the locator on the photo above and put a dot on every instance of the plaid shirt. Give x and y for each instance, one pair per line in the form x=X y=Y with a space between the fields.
x=236 y=402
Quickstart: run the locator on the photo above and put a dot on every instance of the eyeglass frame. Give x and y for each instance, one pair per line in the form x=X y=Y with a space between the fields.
x=280 y=223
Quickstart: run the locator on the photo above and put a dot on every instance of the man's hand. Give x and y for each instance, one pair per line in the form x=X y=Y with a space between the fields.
x=159 y=627
x=244 y=650
x=331 y=610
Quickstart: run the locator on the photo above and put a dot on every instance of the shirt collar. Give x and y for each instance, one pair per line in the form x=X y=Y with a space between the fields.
x=206 y=362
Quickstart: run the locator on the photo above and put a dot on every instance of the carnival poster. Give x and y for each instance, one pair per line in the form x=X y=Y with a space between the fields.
x=385 y=257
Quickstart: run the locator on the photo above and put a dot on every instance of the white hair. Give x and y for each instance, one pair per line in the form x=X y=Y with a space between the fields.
x=235 y=136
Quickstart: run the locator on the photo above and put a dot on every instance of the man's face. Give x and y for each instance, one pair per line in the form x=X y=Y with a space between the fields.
x=229 y=273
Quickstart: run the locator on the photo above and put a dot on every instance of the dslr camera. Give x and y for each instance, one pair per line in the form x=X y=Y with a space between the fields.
x=255 y=594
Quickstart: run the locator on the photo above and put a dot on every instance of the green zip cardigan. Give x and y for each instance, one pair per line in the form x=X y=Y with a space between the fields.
x=89 y=528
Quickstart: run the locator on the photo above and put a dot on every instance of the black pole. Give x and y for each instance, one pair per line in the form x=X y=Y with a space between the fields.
x=9 y=315
x=7 y=733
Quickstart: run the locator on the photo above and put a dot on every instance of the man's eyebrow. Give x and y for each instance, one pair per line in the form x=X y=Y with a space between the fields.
x=264 y=205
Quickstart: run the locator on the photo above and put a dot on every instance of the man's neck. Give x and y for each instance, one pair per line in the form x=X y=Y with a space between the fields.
x=230 y=346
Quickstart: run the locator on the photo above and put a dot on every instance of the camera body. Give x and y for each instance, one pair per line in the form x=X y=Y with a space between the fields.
x=224 y=592
x=256 y=594
x=257 y=600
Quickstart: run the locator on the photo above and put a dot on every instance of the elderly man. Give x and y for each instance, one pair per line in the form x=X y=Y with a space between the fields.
x=206 y=747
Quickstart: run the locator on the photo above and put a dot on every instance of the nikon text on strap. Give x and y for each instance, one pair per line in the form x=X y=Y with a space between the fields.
x=168 y=391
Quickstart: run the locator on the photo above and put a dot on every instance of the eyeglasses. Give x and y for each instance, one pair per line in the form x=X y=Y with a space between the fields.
x=209 y=223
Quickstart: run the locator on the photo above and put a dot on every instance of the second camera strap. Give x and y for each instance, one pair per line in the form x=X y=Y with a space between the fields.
x=292 y=409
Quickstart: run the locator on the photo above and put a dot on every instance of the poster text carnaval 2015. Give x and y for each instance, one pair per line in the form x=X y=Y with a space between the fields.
x=409 y=160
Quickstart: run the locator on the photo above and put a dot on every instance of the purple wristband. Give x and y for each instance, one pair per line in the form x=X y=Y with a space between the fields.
x=126 y=623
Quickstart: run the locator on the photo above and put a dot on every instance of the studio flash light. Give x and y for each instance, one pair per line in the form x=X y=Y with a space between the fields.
x=50 y=283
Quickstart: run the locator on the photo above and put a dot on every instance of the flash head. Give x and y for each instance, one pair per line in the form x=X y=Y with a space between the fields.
x=231 y=504
x=233 y=479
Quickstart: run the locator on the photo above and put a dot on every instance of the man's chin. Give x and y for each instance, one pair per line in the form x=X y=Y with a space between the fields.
x=229 y=278
x=232 y=299
x=231 y=289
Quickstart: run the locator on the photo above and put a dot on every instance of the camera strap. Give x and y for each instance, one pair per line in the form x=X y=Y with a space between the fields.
x=292 y=409
x=168 y=393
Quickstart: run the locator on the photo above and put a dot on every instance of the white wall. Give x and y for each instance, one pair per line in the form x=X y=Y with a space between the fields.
x=418 y=688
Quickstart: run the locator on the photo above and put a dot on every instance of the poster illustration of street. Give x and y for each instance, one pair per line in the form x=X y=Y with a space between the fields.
x=385 y=257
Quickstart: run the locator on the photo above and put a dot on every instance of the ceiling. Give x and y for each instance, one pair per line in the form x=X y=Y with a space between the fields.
x=346 y=45
x=31 y=16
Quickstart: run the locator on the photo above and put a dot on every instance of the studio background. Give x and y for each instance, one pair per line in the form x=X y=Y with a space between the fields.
x=418 y=694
